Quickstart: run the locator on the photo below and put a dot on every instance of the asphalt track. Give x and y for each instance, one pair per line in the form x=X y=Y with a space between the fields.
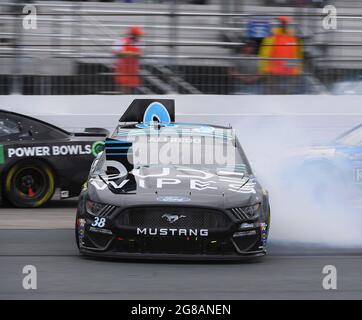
x=44 y=238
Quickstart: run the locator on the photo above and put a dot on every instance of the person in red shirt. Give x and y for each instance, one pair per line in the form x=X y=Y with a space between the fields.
x=127 y=67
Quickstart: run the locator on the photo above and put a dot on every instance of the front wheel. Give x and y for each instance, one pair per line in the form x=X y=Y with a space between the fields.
x=29 y=184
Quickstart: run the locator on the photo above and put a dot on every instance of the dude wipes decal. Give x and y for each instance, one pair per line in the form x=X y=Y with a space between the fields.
x=196 y=179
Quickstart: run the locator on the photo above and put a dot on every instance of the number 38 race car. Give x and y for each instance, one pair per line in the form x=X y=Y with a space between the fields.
x=37 y=157
x=168 y=190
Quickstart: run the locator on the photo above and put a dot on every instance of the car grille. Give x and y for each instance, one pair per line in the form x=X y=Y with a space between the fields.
x=175 y=217
x=172 y=245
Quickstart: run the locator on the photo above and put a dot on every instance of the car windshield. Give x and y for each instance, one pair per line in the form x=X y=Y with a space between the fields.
x=352 y=138
x=8 y=127
x=195 y=147
x=188 y=151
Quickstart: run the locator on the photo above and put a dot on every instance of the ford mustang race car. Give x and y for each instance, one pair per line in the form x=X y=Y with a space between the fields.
x=168 y=190
x=37 y=157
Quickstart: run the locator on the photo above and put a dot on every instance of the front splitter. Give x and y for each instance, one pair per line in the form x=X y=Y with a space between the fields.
x=174 y=257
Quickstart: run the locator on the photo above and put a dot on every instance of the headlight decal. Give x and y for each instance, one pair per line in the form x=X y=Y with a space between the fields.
x=245 y=213
x=98 y=209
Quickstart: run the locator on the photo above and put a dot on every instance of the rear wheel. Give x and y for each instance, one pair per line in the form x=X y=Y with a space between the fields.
x=29 y=184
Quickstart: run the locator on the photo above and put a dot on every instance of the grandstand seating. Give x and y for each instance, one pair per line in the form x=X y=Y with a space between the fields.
x=187 y=53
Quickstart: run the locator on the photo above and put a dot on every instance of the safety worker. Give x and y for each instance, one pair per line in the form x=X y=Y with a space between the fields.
x=282 y=75
x=127 y=66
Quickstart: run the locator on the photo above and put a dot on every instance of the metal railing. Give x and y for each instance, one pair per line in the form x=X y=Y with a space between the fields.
x=186 y=49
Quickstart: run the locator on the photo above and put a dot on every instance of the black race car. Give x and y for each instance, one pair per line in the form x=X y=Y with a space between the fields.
x=168 y=190
x=37 y=157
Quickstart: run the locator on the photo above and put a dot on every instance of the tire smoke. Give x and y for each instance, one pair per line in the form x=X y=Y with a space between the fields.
x=311 y=209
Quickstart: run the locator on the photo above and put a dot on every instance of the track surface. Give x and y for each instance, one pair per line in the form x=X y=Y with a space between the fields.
x=288 y=272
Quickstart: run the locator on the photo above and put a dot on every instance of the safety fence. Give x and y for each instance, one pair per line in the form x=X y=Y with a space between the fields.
x=186 y=48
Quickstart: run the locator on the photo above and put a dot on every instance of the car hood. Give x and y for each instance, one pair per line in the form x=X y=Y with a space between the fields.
x=219 y=188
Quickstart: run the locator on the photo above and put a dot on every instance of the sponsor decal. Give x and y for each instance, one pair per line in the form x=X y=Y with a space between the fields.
x=264 y=233
x=165 y=139
x=97 y=147
x=244 y=233
x=172 y=232
x=173 y=199
x=81 y=226
x=64 y=194
x=171 y=218
x=103 y=231
x=44 y=151
x=2 y=155
x=197 y=179
x=204 y=129
x=246 y=225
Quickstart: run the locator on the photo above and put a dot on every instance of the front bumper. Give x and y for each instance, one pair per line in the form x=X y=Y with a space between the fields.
x=173 y=257
x=224 y=247
x=116 y=240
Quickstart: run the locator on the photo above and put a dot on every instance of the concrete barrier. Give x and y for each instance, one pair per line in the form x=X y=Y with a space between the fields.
x=324 y=116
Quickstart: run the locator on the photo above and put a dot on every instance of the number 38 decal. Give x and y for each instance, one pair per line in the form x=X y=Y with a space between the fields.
x=99 y=222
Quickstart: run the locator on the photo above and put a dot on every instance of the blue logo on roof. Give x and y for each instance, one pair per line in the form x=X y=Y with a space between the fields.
x=156 y=111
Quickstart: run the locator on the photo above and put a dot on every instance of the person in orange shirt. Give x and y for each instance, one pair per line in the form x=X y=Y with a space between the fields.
x=127 y=66
x=284 y=75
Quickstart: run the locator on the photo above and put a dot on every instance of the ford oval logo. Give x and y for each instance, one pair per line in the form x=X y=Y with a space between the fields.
x=173 y=199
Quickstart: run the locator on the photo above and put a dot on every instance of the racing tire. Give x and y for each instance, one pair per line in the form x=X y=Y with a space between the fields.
x=29 y=184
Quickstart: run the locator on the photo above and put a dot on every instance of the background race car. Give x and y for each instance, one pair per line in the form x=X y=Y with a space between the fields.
x=37 y=157
x=332 y=170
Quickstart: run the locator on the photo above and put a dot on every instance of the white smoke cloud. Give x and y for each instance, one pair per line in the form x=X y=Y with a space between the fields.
x=299 y=215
